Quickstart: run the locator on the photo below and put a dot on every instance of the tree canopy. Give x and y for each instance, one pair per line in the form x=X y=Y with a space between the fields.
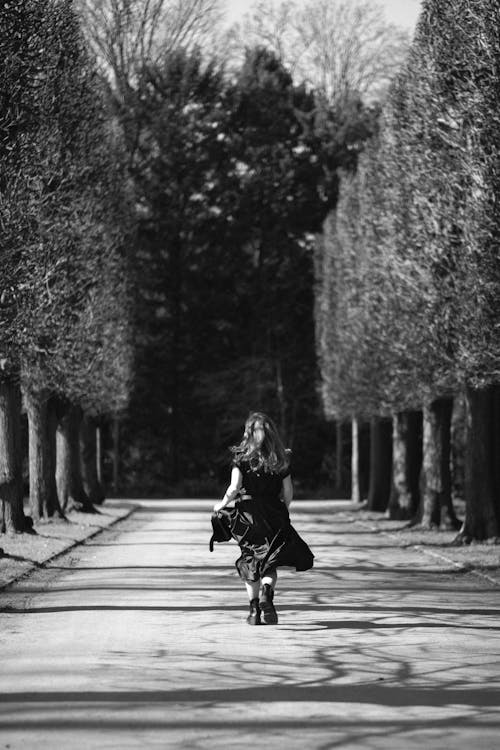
x=62 y=196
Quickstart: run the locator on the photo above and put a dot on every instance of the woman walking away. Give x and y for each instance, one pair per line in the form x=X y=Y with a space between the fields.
x=260 y=521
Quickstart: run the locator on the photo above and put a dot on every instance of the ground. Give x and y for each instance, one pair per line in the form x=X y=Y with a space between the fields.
x=21 y=553
x=137 y=638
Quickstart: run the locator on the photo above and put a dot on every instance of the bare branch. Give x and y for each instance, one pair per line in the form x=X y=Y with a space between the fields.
x=338 y=47
x=124 y=35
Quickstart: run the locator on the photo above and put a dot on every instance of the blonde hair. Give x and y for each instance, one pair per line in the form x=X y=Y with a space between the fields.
x=270 y=455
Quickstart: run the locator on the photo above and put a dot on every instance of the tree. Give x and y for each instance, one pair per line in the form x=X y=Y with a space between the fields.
x=60 y=168
x=380 y=463
x=82 y=225
x=341 y=49
x=447 y=153
x=186 y=185
x=465 y=83
x=436 y=235
x=20 y=24
x=127 y=35
x=217 y=332
x=373 y=296
x=287 y=182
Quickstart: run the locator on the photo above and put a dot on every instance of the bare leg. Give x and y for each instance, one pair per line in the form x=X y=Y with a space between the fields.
x=268 y=612
x=271 y=579
x=252 y=588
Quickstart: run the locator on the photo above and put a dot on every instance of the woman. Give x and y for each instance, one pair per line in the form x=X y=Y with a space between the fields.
x=260 y=521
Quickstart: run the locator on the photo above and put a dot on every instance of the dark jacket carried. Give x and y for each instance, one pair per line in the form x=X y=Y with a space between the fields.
x=221 y=530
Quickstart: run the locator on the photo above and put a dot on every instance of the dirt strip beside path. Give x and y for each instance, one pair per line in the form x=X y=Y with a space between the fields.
x=22 y=553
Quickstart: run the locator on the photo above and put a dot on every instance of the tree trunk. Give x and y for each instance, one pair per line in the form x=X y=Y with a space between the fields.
x=11 y=483
x=99 y=455
x=68 y=467
x=495 y=453
x=339 y=457
x=53 y=505
x=414 y=454
x=36 y=409
x=458 y=440
x=380 y=463
x=436 y=504
x=175 y=418
x=482 y=501
x=41 y=435
x=406 y=464
x=364 y=459
x=355 y=493
x=88 y=451
x=116 y=454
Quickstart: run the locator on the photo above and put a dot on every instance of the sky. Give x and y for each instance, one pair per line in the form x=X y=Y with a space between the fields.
x=402 y=12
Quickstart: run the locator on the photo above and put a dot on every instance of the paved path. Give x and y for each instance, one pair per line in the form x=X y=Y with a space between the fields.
x=137 y=639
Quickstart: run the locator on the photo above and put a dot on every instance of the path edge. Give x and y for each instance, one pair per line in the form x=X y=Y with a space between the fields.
x=72 y=544
x=462 y=567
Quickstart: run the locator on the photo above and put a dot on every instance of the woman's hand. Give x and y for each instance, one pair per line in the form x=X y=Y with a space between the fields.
x=219 y=506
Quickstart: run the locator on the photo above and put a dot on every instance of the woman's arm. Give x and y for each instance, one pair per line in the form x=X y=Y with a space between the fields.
x=287 y=490
x=232 y=490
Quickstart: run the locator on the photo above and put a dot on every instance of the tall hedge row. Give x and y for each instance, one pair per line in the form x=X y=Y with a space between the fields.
x=64 y=208
x=410 y=296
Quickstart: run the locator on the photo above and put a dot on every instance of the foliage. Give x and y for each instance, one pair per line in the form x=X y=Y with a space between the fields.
x=62 y=182
x=19 y=42
x=287 y=182
x=186 y=188
x=228 y=179
x=124 y=36
x=341 y=49
x=464 y=86
x=232 y=178
x=411 y=274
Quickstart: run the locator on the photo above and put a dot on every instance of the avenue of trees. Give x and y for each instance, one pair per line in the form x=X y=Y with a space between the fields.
x=408 y=280
x=234 y=177
x=235 y=166
x=197 y=223
x=159 y=202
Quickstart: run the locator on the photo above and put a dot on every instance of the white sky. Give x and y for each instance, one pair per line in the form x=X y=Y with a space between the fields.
x=402 y=12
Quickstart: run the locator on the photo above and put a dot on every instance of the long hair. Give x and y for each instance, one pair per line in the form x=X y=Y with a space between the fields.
x=271 y=455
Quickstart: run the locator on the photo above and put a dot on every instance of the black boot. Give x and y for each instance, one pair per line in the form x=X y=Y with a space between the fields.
x=254 y=615
x=269 y=615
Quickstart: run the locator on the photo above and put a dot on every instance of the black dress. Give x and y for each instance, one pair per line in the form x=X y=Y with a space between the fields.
x=261 y=526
